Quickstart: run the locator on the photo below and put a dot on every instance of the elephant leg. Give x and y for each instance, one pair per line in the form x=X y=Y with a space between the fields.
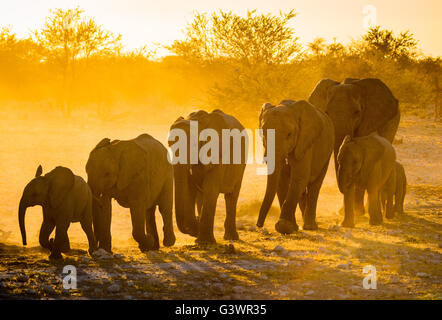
x=199 y=204
x=389 y=208
x=311 y=201
x=230 y=232
x=349 y=220
x=374 y=209
x=104 y=221
x=298 y=183
x=359 y=201
x=61 y=238
x=165 y=207
x=96 y=214
x=383 y=200
x=45 y=231
x=138 y=216
x=303 y=204
x=283 y=186
x=86 y=225
x=399 y=198
x=205 y=228
x=151 y=227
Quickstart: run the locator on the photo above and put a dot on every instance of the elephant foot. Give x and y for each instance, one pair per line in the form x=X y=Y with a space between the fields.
x=260 y=223
x=360 y=211
x=91 y=251
x=105 y=248
x=286 y=227
x=347 y=223
x=389 y=215
x=375 y=221
x=55 y=256
x=169 y=240
x=231 y=235
x=148 y=244
x=310 y=226
x=205 y=239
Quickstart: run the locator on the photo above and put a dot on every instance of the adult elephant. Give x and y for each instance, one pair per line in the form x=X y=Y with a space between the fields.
x=138 y=175
x=357 y=108
x=200 y=182
x=303 y=146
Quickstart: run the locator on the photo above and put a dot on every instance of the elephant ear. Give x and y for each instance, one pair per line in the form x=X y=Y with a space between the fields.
x=378 y=105
x=318 y=97
x=310 y=126
x=373 y=150
x=132 y=163
x=265 y=106
x=39 y=171
x=61 y=180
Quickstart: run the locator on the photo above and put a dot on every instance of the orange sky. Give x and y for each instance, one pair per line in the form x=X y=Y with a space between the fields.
x=161 y=21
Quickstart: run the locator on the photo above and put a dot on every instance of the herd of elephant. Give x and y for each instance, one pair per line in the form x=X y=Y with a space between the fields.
x=355 y=120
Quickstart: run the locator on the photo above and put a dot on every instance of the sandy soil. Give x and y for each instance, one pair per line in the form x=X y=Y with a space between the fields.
x=323 y=264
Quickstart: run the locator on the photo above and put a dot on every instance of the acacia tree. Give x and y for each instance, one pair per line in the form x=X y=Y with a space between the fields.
x=385 y=44
x=255 y=50
x=431 y=70
x=67 y=36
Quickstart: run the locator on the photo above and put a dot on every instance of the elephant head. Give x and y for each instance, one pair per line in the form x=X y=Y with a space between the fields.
x=48 y=190
x=296 y=126
x=189 y=169
x=356 y=107
x=113 y=164
x=356 y=158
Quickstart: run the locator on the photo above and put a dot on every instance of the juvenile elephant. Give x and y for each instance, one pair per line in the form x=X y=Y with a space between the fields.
x=395 y=188
x=65 y=198
x=364 y=162
x=304 y=142
x=357 y=108
x=138 y=175
x=200 y=182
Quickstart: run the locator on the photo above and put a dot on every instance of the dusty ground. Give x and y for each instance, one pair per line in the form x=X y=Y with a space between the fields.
x=323 y=264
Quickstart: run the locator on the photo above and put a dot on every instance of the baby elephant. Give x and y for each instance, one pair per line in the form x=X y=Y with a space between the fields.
x=65 y=198
x=396 y=186
x=364 y=162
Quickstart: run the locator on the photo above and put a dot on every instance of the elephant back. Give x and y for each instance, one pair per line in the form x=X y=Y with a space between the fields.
x=151 y=146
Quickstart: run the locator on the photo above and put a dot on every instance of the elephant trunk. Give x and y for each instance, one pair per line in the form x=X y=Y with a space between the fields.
x=21 y=219
x=185 y=202
x=272 y=185
x=339 y=138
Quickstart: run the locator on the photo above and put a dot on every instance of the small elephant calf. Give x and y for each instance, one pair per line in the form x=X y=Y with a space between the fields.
x=65 y=198
x=395 y=187
x=364 y=162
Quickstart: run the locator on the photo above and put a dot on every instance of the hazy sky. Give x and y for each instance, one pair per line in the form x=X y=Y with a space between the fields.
x=161 y=21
